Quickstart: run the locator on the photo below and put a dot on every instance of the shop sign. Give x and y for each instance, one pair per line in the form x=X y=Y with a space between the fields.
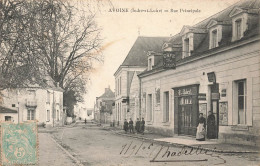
x=211 y=77
x=215 y=96
x=223 y=92
x=202 y=96
x=169 y=60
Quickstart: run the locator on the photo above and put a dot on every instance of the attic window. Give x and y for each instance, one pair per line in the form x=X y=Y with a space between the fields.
x=150 y=63
x=239 y=26
x=214 y=38
x=238 y=29
x=186 y=51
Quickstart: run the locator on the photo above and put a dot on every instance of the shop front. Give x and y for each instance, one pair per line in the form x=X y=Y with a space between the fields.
x=186 y=110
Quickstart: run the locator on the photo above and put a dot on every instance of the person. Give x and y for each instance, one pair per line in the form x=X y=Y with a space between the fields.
x=85 y=121
x=211 y=126
x=137 y=125
x=142 y=126
x=131 y=126
x=200 y=135
x=126 y=126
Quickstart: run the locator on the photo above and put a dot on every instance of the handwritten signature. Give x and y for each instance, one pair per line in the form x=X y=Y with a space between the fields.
x=161 y=153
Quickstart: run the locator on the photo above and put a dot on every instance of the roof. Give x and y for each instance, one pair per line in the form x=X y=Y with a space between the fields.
x=108 y=94
x=201 y=45
x=7 y=110
x=137 y=56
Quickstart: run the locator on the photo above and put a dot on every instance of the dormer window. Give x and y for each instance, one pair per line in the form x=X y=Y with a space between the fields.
x=186 y=48
x=238 y=29
x=150 y=64
x=214 y=38
x=239 y=23
x=150 y=55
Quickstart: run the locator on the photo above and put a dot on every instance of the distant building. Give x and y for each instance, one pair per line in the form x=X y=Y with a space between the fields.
x=43 y=103
x=103 y=108
x=84 y=113
x=126 y=80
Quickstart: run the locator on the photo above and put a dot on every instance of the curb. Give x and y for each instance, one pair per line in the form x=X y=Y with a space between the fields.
x=190 y=146
x=78 y=163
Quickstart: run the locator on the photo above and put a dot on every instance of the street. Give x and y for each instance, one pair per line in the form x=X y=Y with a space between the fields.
x=94 y=145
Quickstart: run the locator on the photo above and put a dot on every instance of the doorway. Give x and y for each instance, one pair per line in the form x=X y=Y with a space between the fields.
x=215 y=108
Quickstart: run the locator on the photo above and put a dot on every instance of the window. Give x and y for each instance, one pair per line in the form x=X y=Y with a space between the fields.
x=13 y=105
x=30 y=114
x=54 y=114
x=48 y=96
x=8 y=118
x=48 y=116
x=149 y=107
x=214 y=39
x=186 y=52
x=120 y=85
x=150 y=64
x=58 y=115
x=116 y=88
x=238 y=30
x=241 y=100
x=166 y=107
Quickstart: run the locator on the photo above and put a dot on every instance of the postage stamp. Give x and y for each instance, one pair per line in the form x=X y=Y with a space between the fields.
x=19 y=144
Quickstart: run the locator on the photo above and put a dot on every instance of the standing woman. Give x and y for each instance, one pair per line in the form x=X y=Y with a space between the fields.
x=200 y=135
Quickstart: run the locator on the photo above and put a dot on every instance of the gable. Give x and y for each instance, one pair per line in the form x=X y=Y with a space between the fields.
x=236 y=11
x=185 y=29
x=212 y=23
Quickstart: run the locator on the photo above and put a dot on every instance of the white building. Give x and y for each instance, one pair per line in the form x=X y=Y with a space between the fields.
x=42 y=103
x=217 y=68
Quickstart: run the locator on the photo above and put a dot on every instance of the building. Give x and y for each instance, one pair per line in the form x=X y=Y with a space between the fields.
x=42 y=103
x=104 y=108
x=7 y=114
x=127 y=83
x=213 y=65
x=84 y=113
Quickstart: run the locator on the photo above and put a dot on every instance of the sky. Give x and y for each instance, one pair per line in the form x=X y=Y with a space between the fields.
x=121 y=27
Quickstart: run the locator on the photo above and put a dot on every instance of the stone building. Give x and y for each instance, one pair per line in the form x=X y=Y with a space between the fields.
x=43 y=103
x=127 y=83
x=213 y=65
x=103 y=107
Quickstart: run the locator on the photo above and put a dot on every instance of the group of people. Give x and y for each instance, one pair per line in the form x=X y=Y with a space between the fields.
x=211 y=127
x=139 y=126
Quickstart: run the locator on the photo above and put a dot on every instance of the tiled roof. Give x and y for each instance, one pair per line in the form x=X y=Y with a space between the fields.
x=108 y=94
x=223 y=18
x=137 y=55
x=7 y=110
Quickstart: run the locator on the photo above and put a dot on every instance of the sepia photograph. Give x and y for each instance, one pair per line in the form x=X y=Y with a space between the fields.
x=129 y=82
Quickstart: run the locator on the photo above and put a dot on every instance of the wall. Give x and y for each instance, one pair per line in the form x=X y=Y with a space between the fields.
x=235 y=64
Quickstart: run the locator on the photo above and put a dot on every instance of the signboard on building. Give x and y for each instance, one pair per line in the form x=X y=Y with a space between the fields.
x=223 y=113
x=169 y=61
x=202 y=96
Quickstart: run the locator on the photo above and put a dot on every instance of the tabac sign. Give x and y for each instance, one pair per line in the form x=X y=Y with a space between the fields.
x=169 y=61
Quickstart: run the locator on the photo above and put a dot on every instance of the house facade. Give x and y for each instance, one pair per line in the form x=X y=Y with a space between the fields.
x=215 y=68
x=104 y=106
x=127 y=84
x=43 y=104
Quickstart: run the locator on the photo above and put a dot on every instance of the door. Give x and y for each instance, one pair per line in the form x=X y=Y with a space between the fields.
x=215 y=106
x=186 y=119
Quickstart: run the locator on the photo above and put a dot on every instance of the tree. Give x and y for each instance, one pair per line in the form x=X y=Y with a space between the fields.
x=17 y=63
x=67 y=41
x=53 y=38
